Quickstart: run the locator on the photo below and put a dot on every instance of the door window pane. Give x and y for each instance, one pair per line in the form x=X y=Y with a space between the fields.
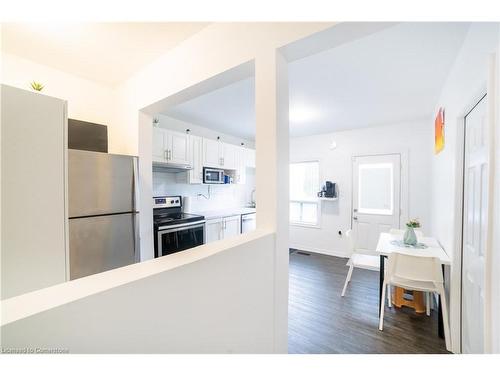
x=376 y=188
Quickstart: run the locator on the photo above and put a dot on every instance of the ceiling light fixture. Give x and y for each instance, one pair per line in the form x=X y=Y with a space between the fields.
x=302 y=114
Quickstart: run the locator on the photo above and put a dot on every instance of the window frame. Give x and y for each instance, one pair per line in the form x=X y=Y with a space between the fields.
x=315 y=200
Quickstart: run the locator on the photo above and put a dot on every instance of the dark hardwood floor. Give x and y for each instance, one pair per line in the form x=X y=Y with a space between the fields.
x=321 y=321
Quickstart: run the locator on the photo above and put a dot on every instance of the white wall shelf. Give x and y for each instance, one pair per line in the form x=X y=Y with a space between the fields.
x=328 y=199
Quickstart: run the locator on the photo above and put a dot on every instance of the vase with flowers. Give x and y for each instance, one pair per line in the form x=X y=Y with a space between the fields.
x=409 y=237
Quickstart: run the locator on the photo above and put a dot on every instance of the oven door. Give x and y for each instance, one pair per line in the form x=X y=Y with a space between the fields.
x=213 y=176
x=175 y=238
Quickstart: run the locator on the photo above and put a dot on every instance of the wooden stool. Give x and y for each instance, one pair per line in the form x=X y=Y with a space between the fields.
x=416 y=300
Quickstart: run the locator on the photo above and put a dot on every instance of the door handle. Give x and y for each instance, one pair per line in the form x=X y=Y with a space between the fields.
x=355 y=218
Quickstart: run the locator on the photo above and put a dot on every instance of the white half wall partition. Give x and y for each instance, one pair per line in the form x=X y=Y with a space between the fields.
x=216 y=298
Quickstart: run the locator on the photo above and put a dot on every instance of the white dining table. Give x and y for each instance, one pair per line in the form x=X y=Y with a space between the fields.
x=386 y=246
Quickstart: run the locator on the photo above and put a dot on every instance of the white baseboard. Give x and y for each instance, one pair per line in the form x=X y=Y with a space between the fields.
x=331 y=252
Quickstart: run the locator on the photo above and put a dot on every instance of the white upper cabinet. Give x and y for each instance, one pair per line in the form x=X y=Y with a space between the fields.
x=240 y=175
x=196 y=160
x=212 y=153
x=178 y=147
x=159 y=146
x=230 y=156
x=218 y=154
x=250 y=157
x=170 y=146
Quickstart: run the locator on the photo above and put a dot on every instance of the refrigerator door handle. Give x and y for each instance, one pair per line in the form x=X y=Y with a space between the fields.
x=135 y=188
x=135 y=223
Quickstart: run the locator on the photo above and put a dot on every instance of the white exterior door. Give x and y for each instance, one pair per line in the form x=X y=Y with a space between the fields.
x=475 y=218
x=375 y=197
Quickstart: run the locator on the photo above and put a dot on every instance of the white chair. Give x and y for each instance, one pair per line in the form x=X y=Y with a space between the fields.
x=363 y=261
x=419 y=234
x=415 y=273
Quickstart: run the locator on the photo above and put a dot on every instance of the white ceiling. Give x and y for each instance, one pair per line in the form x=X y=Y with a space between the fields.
x=107 y=53
x=229 y=110
x=390 y=76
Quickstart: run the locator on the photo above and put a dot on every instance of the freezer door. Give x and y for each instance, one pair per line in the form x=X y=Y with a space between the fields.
x=101 y=243
x=100 y=183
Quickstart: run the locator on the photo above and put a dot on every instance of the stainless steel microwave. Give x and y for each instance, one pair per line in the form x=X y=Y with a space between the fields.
x=213 y=176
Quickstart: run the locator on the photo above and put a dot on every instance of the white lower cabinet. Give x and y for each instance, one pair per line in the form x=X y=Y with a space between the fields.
x=231 y=226
x=213 y=230
x=220 y=228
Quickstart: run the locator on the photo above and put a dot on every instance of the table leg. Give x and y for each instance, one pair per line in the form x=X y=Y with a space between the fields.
x=381 y=282
x=440 y=313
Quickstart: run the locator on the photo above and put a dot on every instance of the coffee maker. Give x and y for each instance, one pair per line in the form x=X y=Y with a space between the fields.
x=329 y=190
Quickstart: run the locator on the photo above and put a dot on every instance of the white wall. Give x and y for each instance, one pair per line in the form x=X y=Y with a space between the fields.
x=87 y=100
x=219 y=48
x=465 y=85
x=220 y=302
x=413 y=138
x=219 y=196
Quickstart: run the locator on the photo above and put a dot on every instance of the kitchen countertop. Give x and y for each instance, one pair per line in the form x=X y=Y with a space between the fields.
x=214 y=214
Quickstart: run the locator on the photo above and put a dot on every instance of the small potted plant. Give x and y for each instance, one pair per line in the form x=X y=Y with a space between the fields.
x=37 y=86
x=410 y=238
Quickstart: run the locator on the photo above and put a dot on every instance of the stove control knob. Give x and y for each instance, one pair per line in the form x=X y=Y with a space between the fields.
x=176 y=201
x=172 y=201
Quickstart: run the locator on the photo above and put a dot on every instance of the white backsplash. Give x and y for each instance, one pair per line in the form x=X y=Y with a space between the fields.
x=220 y=197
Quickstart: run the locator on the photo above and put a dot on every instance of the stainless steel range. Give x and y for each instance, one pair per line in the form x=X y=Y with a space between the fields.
x=174 y=230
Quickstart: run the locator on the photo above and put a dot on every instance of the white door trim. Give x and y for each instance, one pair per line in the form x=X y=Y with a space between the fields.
x=404 y=194
x=490 y=326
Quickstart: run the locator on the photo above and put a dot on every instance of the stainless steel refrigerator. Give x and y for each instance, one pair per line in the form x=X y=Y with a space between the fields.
x=103 y=214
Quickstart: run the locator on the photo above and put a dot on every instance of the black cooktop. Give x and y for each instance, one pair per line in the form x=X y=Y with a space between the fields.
x=164 y=217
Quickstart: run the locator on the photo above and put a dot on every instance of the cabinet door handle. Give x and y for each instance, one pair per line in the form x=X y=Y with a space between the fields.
x=165 y=155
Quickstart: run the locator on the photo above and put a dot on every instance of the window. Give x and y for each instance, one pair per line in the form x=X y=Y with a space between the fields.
x=376 y=189
x=304 y=187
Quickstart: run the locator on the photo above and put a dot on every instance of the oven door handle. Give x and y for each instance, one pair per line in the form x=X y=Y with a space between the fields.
x=191 y=225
